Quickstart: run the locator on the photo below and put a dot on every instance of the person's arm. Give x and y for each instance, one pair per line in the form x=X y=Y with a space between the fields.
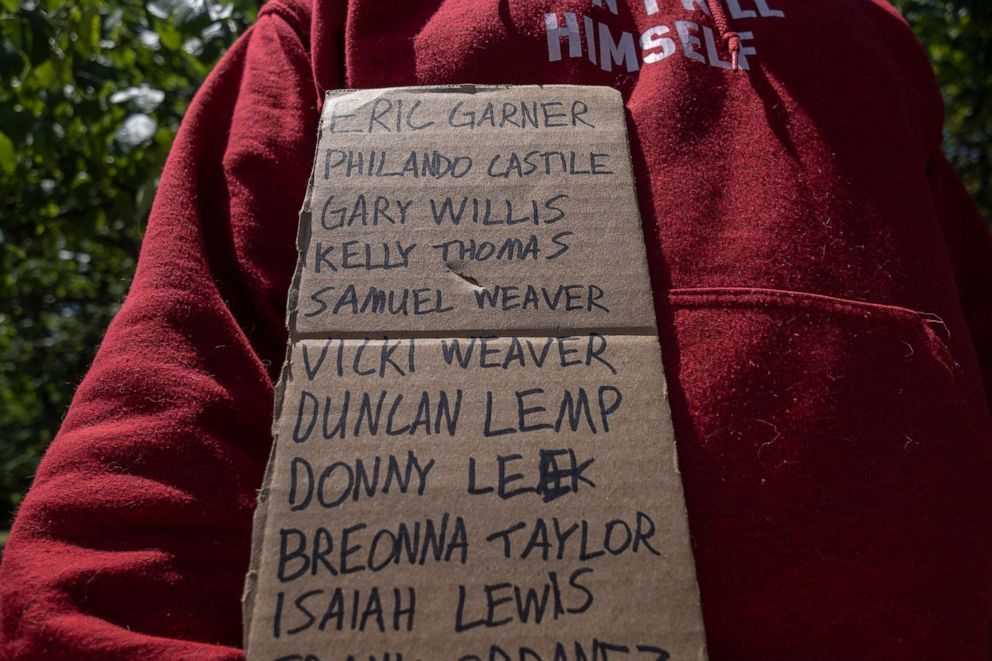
x=969 y=244
x=133 y=542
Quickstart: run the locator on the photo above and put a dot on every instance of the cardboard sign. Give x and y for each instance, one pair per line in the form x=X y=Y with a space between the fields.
x=474 y=456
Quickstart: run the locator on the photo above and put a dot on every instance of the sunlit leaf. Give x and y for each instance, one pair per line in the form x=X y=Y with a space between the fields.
x=145 y=98
x=8 y=157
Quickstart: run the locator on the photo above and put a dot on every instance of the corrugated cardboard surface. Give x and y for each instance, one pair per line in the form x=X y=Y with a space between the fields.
x=473 y=456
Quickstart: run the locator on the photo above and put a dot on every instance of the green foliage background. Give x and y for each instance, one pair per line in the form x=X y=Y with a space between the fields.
x=91 y=95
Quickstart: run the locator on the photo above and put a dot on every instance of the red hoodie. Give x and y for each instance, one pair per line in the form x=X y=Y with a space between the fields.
x=823 y=287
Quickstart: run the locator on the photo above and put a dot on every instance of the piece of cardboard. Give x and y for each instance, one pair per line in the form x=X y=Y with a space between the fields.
x=474 y=455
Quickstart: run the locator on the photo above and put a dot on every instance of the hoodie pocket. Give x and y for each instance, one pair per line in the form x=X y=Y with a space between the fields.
x=836 y=460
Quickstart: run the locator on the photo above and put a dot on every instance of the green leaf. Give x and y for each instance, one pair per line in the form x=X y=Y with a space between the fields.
x=8 y=157
x=43 y=75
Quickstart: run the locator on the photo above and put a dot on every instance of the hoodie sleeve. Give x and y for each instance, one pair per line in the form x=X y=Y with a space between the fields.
x=134 y=540
x=969 y=244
